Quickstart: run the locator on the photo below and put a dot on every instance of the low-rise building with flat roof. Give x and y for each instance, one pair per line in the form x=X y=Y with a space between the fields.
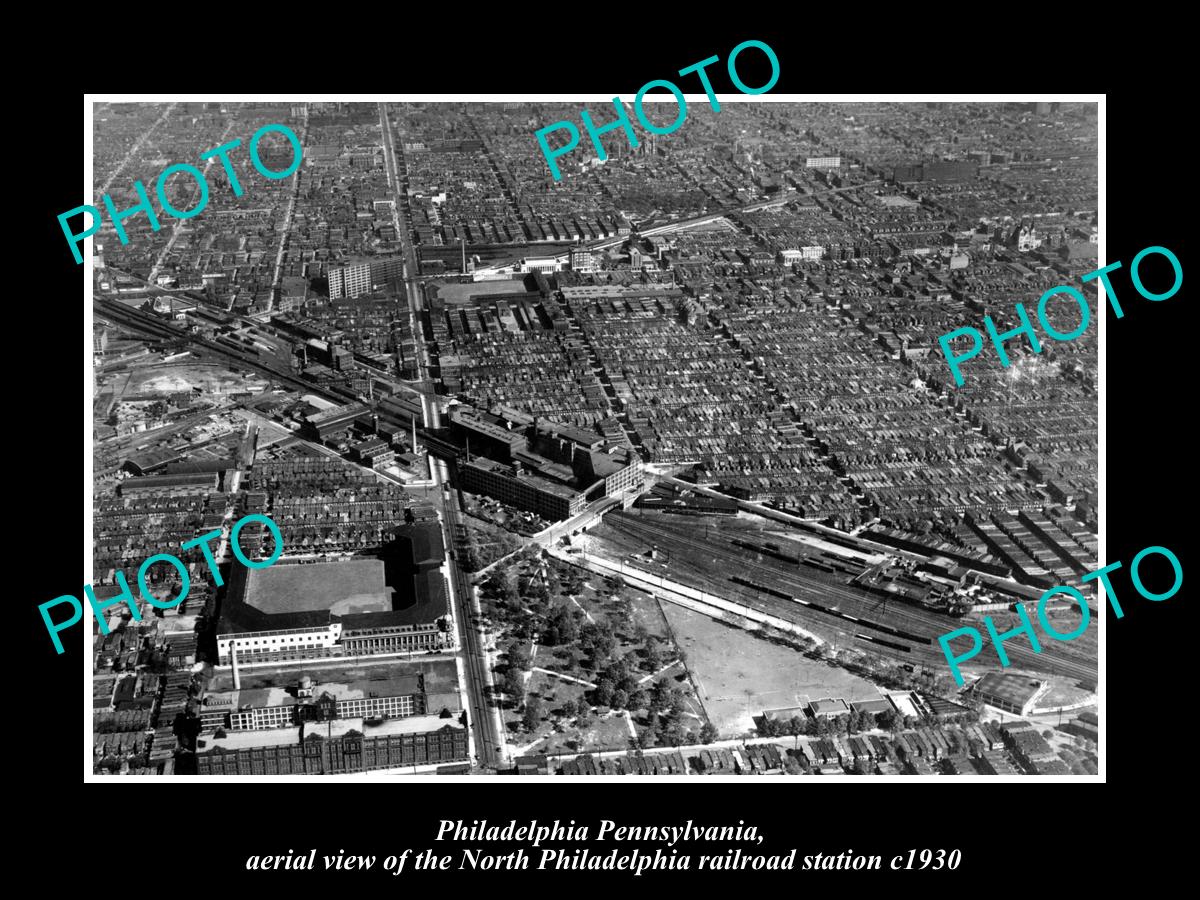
x=828 y=707
x=1011 y=693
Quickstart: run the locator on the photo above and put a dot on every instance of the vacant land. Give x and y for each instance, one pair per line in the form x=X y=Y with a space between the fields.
x=481 y=543
x=740 y=674
x=183 y=378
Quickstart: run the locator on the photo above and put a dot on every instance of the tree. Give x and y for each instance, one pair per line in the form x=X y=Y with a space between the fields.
x=618 y=672
x=653 y=657
x=795 y=728
x=604 y=692
x=676 y=702
x=513 y=684
x=522 y=625
x=708 y=733
x=660 y=697
x=620 y=699
x=519 y=659
x=561 y=628
x=598 y=642
x=625 y=609
x=533 y=713
x=537 y=590
x=651 y=737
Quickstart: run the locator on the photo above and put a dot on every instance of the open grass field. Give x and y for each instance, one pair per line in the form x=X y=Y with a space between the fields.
x=739 y=674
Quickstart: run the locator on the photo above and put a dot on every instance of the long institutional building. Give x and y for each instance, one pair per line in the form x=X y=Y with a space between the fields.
x=262 y=708
x=547 y=468
x=336 y=747
x=316 y=610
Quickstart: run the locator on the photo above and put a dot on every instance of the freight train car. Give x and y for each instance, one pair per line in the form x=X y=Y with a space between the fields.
x=886 y=629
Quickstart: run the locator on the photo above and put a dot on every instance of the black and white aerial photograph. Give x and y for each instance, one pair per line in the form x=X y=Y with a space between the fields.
x=477 y=439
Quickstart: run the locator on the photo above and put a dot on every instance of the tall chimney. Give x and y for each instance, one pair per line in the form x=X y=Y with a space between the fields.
x=237 y=678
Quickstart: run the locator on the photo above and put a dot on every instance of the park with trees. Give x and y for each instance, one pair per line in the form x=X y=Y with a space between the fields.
x=581 y=657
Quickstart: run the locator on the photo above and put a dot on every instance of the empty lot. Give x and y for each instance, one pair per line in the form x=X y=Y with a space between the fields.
x=739 y=674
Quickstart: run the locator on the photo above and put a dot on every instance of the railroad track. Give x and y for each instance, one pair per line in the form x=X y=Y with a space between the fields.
x=147 y=323
x=906 y=615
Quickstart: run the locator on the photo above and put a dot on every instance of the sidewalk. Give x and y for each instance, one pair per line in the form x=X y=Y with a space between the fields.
x=586 y=684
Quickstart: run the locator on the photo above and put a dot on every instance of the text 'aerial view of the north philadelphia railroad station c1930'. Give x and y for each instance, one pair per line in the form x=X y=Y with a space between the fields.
x=653 y=469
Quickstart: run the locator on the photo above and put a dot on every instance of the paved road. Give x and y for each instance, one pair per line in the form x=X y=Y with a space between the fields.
x=277 y=278
x=412 y=282
x=485 y=718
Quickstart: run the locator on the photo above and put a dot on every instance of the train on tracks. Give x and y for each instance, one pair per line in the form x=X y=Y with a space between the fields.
x=829 y=610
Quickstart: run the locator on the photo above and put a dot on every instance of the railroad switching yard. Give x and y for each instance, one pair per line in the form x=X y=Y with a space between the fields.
x=654 y=470
x=847 y=591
